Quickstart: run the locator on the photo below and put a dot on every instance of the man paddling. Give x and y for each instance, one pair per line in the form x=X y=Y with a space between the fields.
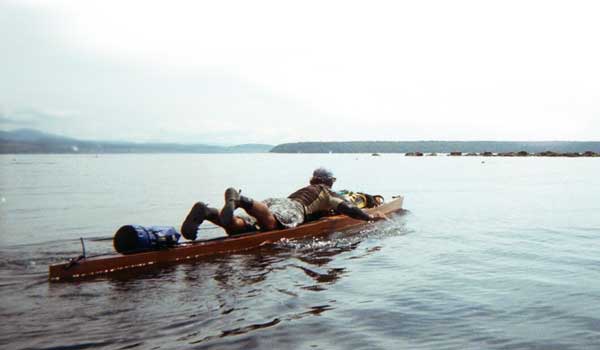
x=275 y=213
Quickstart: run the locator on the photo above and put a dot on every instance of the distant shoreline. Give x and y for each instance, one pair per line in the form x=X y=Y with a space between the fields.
x=508 y=154
x=29 y=141
x=409 y=154
x=507 y=148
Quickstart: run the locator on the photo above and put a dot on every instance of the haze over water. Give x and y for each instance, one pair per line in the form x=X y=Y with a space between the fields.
x=495 y=253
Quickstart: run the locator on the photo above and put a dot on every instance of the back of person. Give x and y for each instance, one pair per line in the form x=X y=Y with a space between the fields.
x=316 y=199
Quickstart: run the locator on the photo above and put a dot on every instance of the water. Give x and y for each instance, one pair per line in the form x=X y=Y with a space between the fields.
x=496 y=253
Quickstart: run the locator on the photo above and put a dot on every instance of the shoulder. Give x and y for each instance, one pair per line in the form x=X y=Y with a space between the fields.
x=333 y=196
x=324 y=188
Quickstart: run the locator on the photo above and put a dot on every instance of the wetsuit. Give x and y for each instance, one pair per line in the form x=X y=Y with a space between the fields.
x=308 y=203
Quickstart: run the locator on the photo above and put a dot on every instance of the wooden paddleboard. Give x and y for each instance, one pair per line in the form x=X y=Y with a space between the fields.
x=97 y=266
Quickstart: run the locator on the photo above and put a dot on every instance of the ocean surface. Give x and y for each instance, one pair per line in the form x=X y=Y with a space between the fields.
x=494 y=253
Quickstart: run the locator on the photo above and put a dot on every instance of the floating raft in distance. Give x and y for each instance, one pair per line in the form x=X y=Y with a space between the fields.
x=97 y=266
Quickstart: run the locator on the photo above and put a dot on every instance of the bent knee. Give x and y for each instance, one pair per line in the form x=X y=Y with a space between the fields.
x=271 y=223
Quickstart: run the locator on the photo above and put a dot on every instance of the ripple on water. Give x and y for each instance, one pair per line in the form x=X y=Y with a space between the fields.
x=502 y=259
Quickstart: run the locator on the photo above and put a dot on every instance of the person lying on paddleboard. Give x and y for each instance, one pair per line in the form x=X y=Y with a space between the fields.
x=303 y=205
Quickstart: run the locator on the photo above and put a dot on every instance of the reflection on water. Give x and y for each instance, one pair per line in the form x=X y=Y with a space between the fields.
x=501 y=255
x=205 y=301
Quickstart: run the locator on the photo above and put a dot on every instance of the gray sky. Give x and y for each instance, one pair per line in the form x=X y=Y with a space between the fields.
x=278 y=71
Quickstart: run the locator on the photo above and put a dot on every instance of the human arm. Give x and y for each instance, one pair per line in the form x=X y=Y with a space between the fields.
x=357 y=213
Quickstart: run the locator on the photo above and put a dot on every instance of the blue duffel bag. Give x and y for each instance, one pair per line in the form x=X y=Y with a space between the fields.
x=135 y=238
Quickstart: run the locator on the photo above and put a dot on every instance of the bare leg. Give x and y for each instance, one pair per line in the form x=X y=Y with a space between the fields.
x=201 y=212
x=236 y=226
x=266 y=219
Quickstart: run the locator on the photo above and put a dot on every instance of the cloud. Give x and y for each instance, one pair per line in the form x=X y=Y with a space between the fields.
x=277 y=72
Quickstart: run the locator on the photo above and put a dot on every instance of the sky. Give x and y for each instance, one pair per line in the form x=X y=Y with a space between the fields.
x=231 y=72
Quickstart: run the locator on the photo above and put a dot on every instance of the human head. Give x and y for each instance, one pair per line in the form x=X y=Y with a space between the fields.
x=322 y=176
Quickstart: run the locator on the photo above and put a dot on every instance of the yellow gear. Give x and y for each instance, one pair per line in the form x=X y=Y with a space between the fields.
x=358 y=199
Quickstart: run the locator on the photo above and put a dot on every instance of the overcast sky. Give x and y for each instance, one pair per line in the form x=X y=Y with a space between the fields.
x=278 y=71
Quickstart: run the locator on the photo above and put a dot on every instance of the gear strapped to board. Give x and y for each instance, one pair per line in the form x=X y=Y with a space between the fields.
x=360 y=199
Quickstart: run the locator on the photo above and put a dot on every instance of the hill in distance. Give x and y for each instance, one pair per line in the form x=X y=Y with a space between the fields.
x=436 y=146
x=38 y=142
x=35 y=141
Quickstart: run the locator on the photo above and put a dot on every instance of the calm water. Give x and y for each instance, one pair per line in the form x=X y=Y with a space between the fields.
x=496 y=253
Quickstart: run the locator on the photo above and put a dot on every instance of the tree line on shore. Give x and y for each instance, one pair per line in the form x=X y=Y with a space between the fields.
x=34 y=141
x=464 y=147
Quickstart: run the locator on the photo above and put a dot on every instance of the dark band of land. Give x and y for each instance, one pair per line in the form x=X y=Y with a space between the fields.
x=36 y=142
x=479 y=147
